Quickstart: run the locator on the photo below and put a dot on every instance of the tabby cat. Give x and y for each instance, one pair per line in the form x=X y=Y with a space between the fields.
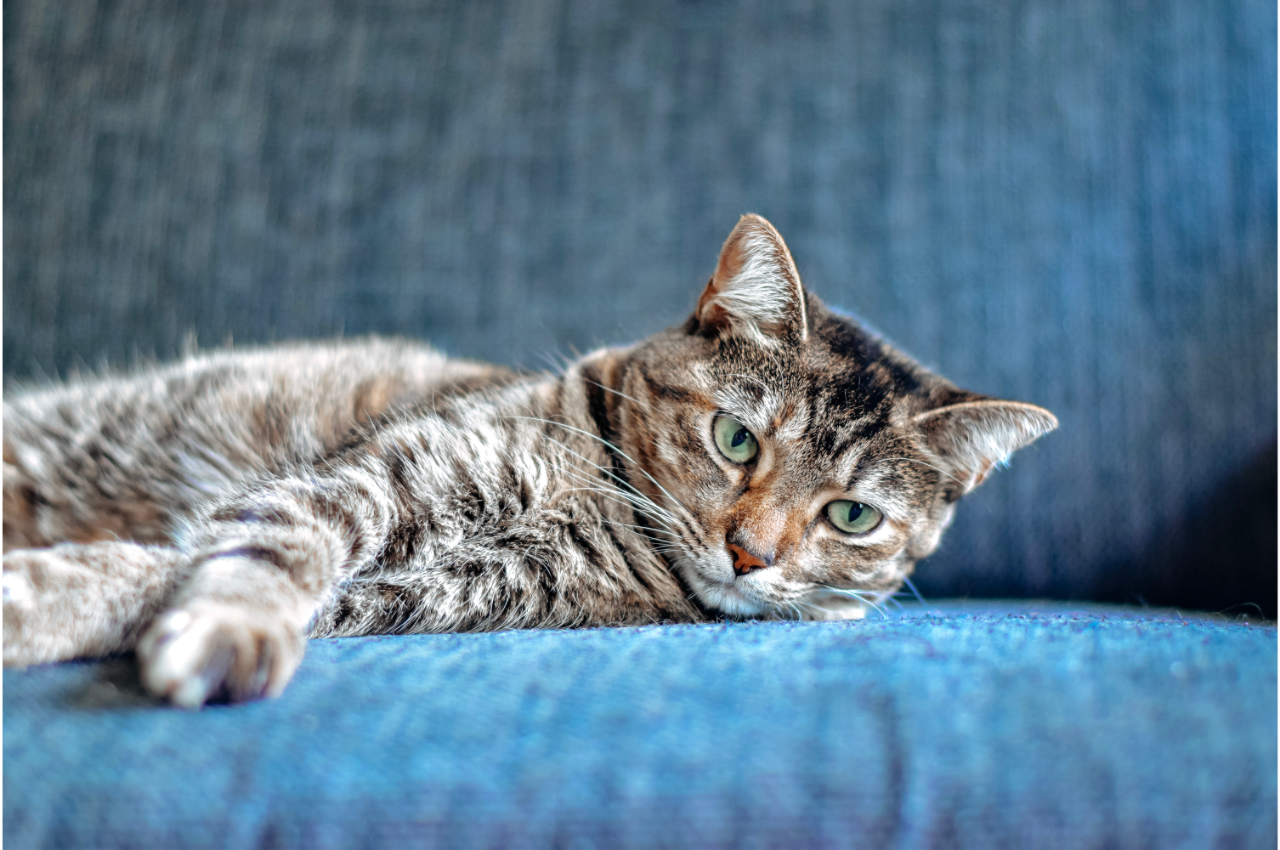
x=768 y=458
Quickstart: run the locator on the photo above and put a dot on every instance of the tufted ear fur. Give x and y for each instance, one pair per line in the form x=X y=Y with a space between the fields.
x=971 y=437
x=756 y=289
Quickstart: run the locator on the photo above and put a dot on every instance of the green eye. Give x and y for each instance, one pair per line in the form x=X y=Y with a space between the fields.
x=734 y=440
x=853 y=517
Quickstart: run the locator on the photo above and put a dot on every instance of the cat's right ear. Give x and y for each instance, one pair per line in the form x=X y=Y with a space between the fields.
x=756 y=289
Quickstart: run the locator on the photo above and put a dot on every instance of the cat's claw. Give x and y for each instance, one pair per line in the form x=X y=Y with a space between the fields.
x=191 y=657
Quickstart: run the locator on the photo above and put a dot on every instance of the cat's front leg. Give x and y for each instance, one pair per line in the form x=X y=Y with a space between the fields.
x=264 y=561
x=237 y=633
x=83 y=600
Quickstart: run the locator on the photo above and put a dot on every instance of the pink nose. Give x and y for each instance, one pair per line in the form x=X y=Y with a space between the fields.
x=743 y=561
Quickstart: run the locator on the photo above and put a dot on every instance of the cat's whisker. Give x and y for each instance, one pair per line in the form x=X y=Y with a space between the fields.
x=611 y=446
x=612 y=390
x=912 y=585
x=609 y=473
x=657 y=544
x=647 y=505
x=797 y=601
x=859 y=595
x=613 y=496
x=800 y=612
x=549 y=357
x=891 y=599
x=631 y=493
x=643 y=530
x=942 y=472
x=635 y=502
x=624 y=483
x=880 y=597
x=595 y=465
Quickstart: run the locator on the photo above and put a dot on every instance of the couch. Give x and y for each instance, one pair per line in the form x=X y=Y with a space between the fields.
x=1073 y=204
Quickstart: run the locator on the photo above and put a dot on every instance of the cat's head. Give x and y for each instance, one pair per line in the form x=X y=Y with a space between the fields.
x=796 y=460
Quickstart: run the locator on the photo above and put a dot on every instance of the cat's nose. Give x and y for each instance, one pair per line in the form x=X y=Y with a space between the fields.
x=744 y=561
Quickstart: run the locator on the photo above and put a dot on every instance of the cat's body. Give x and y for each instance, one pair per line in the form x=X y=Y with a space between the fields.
x=768 y=458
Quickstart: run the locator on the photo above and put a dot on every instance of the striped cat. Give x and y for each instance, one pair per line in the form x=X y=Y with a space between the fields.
x=767 y=458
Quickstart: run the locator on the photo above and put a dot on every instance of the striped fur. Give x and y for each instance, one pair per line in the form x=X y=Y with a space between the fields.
x=214 y=512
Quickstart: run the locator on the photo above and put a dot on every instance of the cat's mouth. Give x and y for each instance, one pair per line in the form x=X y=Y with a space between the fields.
x=754 y=593
x=741 y=596
x=734 y=596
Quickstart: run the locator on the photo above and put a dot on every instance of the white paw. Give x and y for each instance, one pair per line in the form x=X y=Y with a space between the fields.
x=218 y=652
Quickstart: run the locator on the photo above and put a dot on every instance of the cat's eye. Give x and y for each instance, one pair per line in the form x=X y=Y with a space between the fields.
x=853 y=517
x=734 y=440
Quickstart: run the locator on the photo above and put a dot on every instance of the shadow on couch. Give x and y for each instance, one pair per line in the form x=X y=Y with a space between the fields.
x=1221 y=555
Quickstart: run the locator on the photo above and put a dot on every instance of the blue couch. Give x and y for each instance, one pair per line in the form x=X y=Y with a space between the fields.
x=1070 y=202
x=1022 y=725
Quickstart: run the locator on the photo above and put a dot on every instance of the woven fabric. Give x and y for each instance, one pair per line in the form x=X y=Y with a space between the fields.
x=980 y=729
x=1071 y=203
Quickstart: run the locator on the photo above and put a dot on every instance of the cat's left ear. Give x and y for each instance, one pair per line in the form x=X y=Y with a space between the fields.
x=756 y=289
x=971 y=437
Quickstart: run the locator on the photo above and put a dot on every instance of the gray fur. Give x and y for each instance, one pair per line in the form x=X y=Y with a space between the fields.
x=214 y=512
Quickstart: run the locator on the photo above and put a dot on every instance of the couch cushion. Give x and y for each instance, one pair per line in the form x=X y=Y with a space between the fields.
x=1036 y=726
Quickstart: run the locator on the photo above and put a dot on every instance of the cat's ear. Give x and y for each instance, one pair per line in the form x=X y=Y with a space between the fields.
x=756 y=289
x=971 y=437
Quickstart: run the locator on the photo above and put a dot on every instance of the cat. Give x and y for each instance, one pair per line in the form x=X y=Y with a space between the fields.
x=768 y=458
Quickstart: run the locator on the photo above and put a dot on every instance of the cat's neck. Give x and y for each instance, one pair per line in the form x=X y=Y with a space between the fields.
x=586 y=399
x=601 y=374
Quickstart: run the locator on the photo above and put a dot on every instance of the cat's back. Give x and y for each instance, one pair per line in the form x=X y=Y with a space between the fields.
x=283 y=396
x=152 y=441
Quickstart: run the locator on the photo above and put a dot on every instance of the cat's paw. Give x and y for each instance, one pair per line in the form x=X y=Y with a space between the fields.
x=210 y=651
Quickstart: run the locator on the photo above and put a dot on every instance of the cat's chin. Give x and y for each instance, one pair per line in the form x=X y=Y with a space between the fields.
x=727 y=597
x=742 y=597
x=820 y=605
x=731 y=600
x=734 y=599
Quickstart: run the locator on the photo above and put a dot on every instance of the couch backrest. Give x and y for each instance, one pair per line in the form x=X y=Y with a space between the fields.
x=1068 y=203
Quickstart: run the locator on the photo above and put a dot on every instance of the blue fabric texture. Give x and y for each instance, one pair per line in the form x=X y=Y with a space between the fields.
x=1043 y=728
x=1069 y=202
